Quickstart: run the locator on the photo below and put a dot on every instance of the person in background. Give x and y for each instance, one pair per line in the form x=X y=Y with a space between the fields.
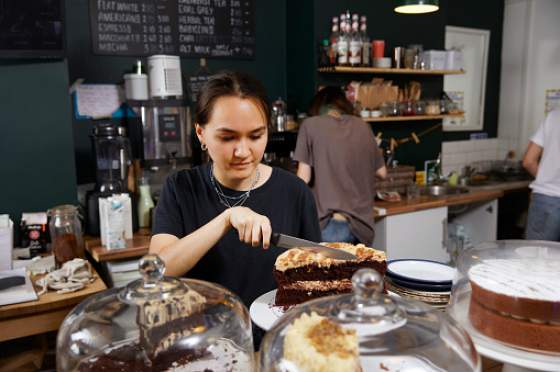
x=339 y=157
x=542 y=161
x=213 y=221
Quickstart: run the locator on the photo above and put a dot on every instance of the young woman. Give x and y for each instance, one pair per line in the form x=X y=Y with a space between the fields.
x=339 y=152
x=214 y=222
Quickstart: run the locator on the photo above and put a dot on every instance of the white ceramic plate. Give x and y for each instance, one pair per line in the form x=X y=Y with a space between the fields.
x=422 y=271
x=263 y=312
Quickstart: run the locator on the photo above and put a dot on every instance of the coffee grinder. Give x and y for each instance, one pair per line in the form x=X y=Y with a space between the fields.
x=111 y=150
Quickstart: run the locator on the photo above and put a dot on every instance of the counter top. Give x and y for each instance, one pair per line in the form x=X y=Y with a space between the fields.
x=475 y=194
x=428 y=202
x=135 y=247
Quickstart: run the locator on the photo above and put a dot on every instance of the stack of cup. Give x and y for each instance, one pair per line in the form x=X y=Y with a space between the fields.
x=378 y=51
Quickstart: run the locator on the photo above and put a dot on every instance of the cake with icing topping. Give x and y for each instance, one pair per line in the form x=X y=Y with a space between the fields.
x=302 y=275
x=314 y=343
x=517 y=301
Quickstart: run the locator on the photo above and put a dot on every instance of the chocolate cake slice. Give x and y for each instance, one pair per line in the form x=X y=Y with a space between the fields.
x=302 y=275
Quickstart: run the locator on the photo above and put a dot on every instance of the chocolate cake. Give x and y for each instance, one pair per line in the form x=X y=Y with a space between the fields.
x=302 y=275
x=517 y=301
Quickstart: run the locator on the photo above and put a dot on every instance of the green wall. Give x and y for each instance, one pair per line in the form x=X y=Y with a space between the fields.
x=36 y=151
x=43 y=150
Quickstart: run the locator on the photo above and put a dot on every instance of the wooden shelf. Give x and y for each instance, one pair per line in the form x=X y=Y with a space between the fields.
x=135 y=247
x=376 y=70
x=411 y=118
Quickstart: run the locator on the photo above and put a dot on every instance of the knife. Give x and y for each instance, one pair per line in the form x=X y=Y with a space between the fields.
x=287 y=241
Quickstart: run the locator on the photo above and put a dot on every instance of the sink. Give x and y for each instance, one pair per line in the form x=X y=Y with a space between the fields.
x=443 y=190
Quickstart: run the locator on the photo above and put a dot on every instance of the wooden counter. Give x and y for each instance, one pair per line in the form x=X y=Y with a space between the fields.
x=135 y=247
x=428 y=202
x=42 y=315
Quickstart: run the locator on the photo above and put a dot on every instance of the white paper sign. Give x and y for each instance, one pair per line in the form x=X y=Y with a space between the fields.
x=98 y=100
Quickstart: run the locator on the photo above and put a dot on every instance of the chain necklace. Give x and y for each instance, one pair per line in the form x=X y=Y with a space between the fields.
x=232 y=201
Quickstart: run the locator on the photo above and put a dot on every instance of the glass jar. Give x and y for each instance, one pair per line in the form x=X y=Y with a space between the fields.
x=420 y=108
x=66 y=234
x=433 y=108
x=367 y=331
x=408 y=108
x=157 y=323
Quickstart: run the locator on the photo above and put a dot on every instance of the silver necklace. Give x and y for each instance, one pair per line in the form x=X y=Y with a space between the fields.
x=232 y=201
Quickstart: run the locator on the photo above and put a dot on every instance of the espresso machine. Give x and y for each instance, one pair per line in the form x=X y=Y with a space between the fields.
x=165 y=117
x=111 y=148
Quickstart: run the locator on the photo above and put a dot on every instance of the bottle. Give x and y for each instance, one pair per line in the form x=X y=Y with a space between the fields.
x=366 y=45
x=355 y=58
x=324 y=50
x=333 y=39
x=145 y=203
x=343 y=45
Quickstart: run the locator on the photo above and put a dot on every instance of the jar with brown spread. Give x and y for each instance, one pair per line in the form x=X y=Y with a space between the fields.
x=66 y=234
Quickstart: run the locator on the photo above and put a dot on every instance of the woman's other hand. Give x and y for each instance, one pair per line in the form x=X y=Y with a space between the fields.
x=252 y=227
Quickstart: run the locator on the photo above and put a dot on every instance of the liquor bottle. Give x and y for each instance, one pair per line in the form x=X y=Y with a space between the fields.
x=343 y=44
x=333 y=39
x=355 y=58
x=366 y=45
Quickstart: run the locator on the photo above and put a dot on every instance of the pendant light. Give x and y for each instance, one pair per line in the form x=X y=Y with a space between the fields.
x=416 y=6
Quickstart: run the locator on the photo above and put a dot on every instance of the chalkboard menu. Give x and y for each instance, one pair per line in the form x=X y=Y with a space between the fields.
x=190 y=28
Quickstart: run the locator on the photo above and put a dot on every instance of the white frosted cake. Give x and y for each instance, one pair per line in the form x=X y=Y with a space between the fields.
x=517 y=301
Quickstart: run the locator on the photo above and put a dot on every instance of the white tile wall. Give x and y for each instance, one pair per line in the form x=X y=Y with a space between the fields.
x=457 y=154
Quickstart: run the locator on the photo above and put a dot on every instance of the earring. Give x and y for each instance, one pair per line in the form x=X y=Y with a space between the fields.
x=203 y=147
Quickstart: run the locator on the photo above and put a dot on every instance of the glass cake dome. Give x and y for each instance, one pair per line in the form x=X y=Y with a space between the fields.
x=367 y=331
x=157 y=323
x=507 y=295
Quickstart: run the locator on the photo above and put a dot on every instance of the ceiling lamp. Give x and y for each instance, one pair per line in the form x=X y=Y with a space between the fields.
x=416 y=6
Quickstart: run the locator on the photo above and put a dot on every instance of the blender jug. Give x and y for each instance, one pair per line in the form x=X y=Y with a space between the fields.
x=112 y=152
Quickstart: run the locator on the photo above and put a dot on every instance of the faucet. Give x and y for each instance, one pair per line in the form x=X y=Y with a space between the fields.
x=438 y=173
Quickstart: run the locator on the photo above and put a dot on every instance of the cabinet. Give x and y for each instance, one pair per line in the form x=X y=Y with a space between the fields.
x=480 y=220
x=424 y=234
x=418 y=234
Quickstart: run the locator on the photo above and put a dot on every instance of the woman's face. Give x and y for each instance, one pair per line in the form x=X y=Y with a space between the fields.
x=236 y=137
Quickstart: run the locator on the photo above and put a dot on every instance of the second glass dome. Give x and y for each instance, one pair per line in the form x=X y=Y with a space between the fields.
x=367 y=331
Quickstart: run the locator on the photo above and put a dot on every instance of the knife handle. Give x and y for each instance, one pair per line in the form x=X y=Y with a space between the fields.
x=274 y=238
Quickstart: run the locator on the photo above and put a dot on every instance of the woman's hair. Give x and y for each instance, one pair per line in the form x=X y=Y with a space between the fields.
x=332 y=97
x=230 y=84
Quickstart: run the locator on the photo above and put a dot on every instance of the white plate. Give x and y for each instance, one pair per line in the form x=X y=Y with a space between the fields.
x=421 y=271
x=263 y=312
x=496 y=350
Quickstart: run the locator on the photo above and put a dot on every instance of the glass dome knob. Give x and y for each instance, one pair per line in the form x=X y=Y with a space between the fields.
x=151 y=267
x=367 y=284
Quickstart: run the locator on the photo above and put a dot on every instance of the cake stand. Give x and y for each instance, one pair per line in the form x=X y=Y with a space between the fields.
x=514 y=359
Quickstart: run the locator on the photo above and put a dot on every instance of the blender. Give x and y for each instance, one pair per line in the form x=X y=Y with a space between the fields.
x=111 y=150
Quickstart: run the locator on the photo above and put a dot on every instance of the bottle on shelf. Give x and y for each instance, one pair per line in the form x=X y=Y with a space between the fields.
x=343 y=44
x=355 y=55
x=324 y=51
x=366 y=45
x=333 y=39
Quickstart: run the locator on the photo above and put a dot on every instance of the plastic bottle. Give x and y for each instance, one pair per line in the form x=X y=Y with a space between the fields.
x=145 y=203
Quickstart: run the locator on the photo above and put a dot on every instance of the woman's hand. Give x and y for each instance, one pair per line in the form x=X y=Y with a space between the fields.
x=252 y=227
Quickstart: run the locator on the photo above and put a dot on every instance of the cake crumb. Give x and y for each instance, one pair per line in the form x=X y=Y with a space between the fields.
x=383 y=367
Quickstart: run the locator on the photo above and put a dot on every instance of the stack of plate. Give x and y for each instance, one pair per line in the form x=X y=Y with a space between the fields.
x=422 y=280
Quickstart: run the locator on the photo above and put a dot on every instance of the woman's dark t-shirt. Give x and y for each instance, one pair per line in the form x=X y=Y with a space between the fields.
x=188 y=201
